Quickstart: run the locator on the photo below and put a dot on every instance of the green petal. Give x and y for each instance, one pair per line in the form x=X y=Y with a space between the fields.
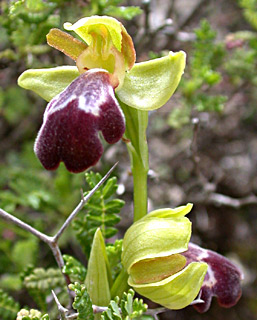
x=85 y=26
x=97 y=281
x=48 y=82
x=176 y=291
x=155 y=237
x=149 y=85
x=65 y=43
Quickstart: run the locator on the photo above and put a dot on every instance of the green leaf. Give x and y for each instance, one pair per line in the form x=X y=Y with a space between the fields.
x=114 y=257
x=25 y=252
x=47 y=83
x=74 y=269
x=8 y=307
x=44 y=279
x=32 y=11
x=124 y=309
x=39 y=283
x=110 y=188
x=133 y=308
x=149 y=85
x=82 y=302
x=114 y=206
x=110 y=232
x=98 y=279
x=102 y=211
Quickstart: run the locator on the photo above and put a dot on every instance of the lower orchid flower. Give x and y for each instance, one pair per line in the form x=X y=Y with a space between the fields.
x=163 y=266
x=152 y=256
x=82 y=98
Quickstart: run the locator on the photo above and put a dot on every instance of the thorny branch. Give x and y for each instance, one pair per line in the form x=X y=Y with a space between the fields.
x=53 y=241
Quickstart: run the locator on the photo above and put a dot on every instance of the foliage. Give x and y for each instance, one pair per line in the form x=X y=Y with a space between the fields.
x=39 y=282
x=125 y=308
x=102 y=211
x=111 y=8
x=249 y=10
x=25 y=23
x=206 y=57
x=82 y=302
x=114 y=257
x=74 y=269
x=8 y=307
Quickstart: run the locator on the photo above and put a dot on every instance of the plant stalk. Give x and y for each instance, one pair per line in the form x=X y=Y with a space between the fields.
x=135 y=138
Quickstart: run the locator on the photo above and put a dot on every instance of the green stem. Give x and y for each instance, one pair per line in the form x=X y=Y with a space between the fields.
x=140 y=188
x=136 y=125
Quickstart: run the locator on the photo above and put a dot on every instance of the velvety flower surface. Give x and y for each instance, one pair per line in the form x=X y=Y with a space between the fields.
x=72 y=120
x=222 y=280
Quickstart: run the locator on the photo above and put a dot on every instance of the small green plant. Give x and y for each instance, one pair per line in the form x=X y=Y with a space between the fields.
x=202 y=75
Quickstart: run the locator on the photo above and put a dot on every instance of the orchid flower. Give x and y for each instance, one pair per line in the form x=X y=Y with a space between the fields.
x=163 y=266
x=152 y=249
x=85 y=99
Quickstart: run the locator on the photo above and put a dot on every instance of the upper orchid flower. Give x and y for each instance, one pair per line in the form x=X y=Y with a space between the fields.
x=82 y=98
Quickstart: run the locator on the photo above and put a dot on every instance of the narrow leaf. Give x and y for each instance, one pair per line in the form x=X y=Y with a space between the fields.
x=98 y=275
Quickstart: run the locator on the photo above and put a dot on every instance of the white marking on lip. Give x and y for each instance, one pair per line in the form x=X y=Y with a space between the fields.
x=212 y=280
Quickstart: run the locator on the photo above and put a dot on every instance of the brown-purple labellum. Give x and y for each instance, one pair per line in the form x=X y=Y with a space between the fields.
x=72 y=120
x=222 y=280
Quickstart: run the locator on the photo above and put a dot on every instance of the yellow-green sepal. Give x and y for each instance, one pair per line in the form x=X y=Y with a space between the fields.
x=170 y=213
x=155 y=237
x=149 y=85
x=47 y=83
x=176 y=291
x=98 y=279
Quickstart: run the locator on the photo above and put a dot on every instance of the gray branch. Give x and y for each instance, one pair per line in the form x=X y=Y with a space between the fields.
x=223 y=200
